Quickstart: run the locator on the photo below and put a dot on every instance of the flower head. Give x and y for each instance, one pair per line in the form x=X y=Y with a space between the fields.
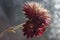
x=38 y=19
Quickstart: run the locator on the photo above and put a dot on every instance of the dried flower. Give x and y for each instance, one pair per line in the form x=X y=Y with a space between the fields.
x=38 y=19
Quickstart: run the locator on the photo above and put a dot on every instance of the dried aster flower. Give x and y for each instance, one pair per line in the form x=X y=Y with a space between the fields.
x=38 y=19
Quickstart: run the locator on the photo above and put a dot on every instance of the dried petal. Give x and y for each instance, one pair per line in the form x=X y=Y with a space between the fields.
x=38 y=19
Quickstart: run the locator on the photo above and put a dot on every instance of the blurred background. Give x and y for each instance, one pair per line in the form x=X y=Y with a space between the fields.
x=11 y=15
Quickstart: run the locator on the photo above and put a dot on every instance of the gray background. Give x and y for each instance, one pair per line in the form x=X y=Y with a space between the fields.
x=11 y=15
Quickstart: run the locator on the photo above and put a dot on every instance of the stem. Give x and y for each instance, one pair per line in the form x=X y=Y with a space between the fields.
x=11 y=29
